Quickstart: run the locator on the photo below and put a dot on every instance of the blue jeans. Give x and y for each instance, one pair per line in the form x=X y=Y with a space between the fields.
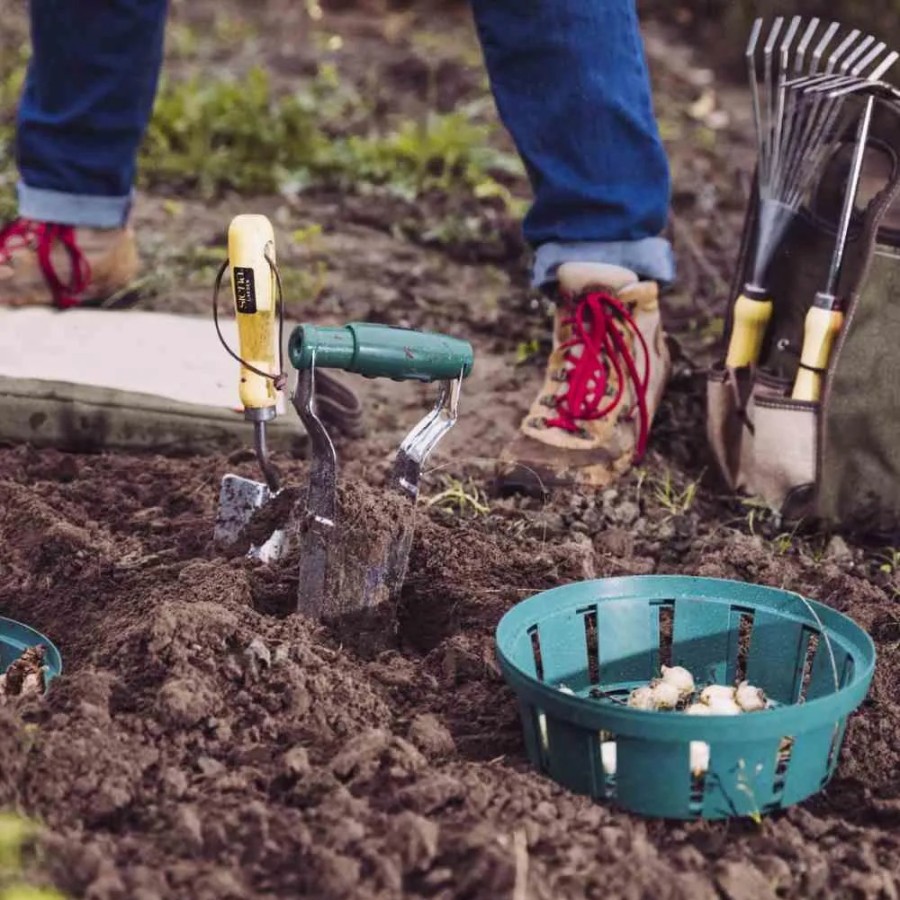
x=569 y=78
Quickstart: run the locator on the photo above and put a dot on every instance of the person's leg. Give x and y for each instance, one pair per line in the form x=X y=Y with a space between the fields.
x=87 y=99
x=572 y=88
x=571 y=85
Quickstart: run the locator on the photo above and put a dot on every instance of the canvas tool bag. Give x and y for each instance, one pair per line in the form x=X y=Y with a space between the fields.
x=837 y=460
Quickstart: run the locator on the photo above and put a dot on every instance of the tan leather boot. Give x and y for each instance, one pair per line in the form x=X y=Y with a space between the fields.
x=43 y=263
x=604 y=382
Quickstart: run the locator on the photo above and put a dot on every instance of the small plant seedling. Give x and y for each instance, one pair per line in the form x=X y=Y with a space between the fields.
x=460 y=497
x=745 y=786
x=674 y=500
x=891 y=561
x=527 y=350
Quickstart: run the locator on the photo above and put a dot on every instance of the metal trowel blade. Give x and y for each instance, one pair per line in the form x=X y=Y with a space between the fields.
x=239 y=499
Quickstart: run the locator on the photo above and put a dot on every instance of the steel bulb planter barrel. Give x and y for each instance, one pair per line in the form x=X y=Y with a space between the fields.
x=607 y=636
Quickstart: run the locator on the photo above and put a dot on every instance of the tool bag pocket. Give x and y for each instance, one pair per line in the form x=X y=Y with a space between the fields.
x=732 y=401
x=785 y=454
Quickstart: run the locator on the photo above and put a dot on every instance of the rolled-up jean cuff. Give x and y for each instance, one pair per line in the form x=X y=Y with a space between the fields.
x=80 y=210
x=650 y=258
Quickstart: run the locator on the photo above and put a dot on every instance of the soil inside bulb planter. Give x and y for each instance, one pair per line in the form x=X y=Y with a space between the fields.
x=372 y=536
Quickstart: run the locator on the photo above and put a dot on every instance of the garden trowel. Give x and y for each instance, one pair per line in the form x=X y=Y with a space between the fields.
x=254 y=278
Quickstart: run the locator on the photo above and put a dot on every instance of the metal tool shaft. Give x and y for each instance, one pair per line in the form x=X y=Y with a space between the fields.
x=424 y=437
x=321 y=500
x=862 y=138
x=262 y=455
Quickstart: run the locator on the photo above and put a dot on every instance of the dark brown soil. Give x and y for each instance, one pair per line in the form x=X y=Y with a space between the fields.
x=204 y=743
x=199 y=747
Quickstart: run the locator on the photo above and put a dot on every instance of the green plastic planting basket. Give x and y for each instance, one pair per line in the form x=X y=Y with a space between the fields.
x=601 y=638
x=16 y=638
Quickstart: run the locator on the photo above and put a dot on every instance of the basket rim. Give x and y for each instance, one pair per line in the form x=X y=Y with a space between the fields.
x=18 y=633
x=629 y=722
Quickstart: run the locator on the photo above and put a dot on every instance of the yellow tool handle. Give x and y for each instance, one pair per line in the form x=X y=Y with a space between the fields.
x=820 y=329
x=752 y=312
x=251 y=239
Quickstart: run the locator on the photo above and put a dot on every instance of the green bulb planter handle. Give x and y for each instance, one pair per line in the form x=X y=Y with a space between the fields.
x=381 y=351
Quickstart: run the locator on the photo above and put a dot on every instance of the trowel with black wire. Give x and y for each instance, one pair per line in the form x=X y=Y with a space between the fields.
x=256 y=291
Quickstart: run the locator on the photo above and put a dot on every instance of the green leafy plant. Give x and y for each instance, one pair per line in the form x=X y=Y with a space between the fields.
x=212 y=135
x=236 y=133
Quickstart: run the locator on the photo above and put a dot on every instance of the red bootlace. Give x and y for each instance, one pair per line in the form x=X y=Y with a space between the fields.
x=22 y=233
x=599 y=325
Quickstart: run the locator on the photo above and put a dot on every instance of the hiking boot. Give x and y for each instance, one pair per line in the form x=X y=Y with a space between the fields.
x=604 y=382
x=43 y=263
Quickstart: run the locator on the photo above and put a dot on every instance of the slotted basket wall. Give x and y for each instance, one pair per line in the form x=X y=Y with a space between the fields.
x=610 y=634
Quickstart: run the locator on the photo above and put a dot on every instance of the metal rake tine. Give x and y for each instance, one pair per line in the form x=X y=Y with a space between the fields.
x=768 y=51
x=783 y=57
x=805 y=40
x=806 y=81
x=832 y=82
x=858 y=51
x=750 y=57
x=856 y=71
x=838 y=53
x=868 y=59
x=753 y=40
x=879 y=71
x=813 y=120
x=822 y=46
x=879 y=88
x=790 y=111
x=823 y=140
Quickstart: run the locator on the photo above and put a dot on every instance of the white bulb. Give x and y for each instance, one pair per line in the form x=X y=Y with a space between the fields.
x=699 y=758
x=680 y=677
x=642 y=698
x=724 y=706
x=608 y=756
x=750 y=698
x=566 y=690
x=665 y=694
x=712 y=692
x=699 y=709
x=542 y=726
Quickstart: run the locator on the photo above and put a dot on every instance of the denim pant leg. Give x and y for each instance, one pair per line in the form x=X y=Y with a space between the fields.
x=87 y=100
x=571 y=84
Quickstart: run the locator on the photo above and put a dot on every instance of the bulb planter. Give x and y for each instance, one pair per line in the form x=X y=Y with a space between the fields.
x=599 y=639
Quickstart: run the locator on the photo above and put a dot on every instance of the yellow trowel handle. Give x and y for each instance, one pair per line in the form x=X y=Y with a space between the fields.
x=752 y=312
x=251 y=256
x=823 y=324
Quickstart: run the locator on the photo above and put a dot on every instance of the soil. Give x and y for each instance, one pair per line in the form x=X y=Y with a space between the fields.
x=205 y=743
